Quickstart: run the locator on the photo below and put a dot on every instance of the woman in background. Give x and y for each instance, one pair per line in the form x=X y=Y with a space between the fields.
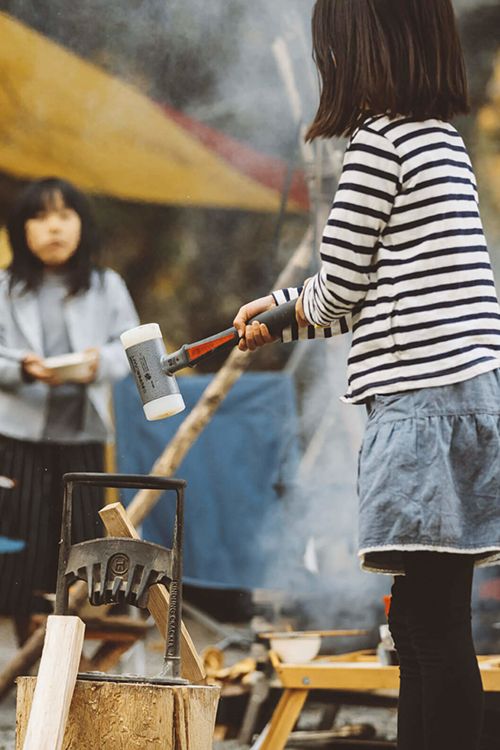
x=54 y=300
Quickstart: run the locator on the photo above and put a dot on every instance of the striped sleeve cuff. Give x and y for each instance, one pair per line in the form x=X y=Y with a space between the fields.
x=285 y=295
x=294 y=333
x=317 y=310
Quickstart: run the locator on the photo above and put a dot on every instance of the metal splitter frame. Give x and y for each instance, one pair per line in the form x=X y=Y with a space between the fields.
x=119 y=570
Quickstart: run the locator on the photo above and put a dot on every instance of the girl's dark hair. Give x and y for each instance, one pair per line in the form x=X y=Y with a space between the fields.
x=393 y=57
x=40 y=196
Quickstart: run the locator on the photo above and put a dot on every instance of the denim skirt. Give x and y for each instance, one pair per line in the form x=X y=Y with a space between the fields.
x=429 y=474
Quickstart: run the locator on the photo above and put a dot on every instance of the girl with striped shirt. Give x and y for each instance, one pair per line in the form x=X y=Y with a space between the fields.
x=405 y=269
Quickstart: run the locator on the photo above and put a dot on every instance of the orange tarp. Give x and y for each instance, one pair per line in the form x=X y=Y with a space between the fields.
x=61 y=115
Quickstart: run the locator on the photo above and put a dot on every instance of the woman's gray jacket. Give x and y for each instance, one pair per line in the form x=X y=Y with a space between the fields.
x=94 y=318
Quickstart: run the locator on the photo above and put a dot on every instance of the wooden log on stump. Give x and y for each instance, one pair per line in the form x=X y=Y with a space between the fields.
x=111 y=715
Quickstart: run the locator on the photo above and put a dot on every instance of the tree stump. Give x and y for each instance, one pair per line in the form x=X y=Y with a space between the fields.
x=112 y=716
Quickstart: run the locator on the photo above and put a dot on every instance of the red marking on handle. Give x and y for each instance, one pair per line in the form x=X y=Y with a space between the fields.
x=198 y=350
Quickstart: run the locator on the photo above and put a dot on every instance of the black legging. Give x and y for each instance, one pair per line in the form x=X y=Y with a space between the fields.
x=441 y=696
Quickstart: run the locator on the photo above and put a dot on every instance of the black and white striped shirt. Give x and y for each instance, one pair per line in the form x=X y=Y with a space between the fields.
x=405 y=265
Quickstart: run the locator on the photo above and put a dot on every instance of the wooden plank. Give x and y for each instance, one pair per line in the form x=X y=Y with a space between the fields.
x=55 y=683
x=490 y=676
x=339 y=676
x=117 y=523
x=108 y=716
x=364 y=673
x=311 y=633
x=283 y=720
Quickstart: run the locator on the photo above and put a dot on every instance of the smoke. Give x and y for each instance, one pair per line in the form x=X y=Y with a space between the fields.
x=251 y=101
x=212 y=60
x=312 y=537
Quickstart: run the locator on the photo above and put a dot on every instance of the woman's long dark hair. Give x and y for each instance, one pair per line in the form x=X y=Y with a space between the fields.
x=393 y=57
x=41 y=195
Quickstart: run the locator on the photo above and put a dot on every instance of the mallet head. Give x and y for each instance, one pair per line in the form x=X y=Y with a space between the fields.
x=159 y=392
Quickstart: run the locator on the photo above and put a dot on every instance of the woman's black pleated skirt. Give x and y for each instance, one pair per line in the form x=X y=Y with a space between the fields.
x=31 y=511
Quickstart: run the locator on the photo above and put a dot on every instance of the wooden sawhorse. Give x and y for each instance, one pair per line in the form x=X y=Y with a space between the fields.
x=359 y=670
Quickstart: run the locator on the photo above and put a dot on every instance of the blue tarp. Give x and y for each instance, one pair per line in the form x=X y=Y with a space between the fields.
x=235 y=472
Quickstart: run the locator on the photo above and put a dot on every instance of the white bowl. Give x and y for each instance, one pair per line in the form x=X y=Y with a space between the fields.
x=71 y=366
x=296 y=649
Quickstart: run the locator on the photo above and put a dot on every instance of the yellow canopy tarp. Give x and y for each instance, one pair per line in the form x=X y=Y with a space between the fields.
x=61 y=115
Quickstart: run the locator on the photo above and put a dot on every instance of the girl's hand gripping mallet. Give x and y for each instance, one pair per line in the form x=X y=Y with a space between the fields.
x=153 y=369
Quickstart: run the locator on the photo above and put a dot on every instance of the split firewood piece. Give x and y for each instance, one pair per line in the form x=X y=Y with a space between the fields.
x=55 y=683
x=117 y=523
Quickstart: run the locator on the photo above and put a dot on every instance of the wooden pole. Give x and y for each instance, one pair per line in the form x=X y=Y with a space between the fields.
x=30 y=652
x=117 y=523
x=55 y=683
x=190 y=429
x=23 y=660
x=172 y=456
